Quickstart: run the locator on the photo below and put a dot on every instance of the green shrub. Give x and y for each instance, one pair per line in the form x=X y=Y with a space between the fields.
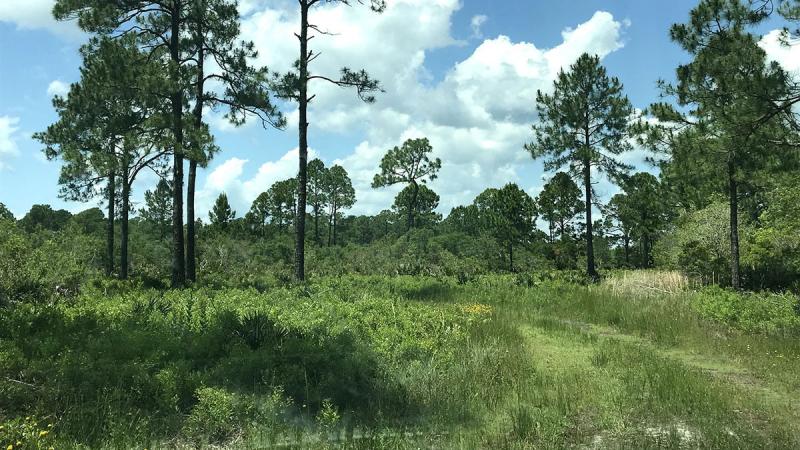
x=769 y=313
x=216 y=417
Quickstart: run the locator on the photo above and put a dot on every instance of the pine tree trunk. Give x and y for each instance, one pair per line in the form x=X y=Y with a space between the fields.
x=591 y=271
x=734 y=223
x=334 y=228
x=123 y=244
x=330 y=230
x=112 y=200
x=316 y=226
x=627 y=241
x=191 y=235
x=178 y=263
x=413 y=206
x=302 y=175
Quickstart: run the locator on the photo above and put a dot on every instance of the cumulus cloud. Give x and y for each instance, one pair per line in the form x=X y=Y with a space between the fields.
x=477 y=23
x=57 y=87
x=788 y=56
x=477 y=115
x=35 y=15
x=228 y=177
x=8 y=145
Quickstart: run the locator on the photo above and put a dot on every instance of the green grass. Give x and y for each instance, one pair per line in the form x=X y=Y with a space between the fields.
x=371 y=362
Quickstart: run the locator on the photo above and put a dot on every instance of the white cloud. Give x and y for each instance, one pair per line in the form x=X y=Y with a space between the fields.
x=477 y=116
x=788 y=56
x=477 y=23
x=8 y=145
x=36 y=14
x=57 y=87
x=241 y=191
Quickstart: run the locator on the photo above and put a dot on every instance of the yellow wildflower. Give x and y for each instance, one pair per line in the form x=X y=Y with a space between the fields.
x=10 y=447
x=43 y=433
x=477 y=308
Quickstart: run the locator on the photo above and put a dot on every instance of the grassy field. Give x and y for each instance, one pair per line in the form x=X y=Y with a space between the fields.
x=638 y=361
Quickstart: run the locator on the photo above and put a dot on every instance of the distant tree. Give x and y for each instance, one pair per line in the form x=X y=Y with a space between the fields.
x=44 y=217
x=409 y=164
x=221 y=215
x=464 y=219
x=384 y=222
x=90 y=221
x=295 y=86
x=340 y=195
x=5 y=213
x=584 y=125
x=646 y=201
x=158 y=206
x=509 y=215
x=620 y=221
x=317 y=195
x=422 y=208
x=276 y=206
x=258 y=216
x=559 y=203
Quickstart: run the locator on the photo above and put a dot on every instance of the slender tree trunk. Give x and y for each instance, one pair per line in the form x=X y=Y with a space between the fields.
x=511 y=257
x=178 y=264
x=413 y=206
x=591 y=271
x=302 y=175
x=316 y=225
x=123 y=244
x=112 y=200
x=734 y=223
x=334 y=228
x=627 y=240
x=191 y=235
x=330 y=230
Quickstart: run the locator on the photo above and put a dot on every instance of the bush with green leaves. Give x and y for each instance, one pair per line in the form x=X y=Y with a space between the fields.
x=772 y=253
x=699 y=244
x=769 y=313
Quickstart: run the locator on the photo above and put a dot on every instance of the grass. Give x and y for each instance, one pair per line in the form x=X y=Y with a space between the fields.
x=373 y=362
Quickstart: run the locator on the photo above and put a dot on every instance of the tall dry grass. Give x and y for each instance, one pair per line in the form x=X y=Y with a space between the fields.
x=647 y=282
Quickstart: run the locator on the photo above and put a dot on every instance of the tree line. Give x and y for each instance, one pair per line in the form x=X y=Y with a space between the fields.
x=726 y=129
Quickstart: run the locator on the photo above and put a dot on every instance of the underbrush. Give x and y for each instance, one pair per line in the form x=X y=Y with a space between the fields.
x=530 y=360
x=206 y=366
x=761 y=312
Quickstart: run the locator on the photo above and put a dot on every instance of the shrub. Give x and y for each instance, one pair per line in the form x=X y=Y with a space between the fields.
x=769 y=313
x=216 y=417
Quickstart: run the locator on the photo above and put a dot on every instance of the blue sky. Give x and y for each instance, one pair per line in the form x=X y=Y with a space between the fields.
x=463 y=73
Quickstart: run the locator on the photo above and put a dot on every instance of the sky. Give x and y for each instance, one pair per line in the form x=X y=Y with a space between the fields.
x=463 y=73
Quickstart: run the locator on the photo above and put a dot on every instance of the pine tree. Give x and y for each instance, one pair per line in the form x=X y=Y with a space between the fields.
x=409 y=164
x=295 y=86
x=158 y=206
x=730 y=92
x=559 y=203
x=340 y=195
x=221 y=215
x=509 y=215
x=584 y=125
x=317 y=196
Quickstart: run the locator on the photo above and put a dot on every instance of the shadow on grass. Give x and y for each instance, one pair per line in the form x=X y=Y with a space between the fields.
x=136 y=375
